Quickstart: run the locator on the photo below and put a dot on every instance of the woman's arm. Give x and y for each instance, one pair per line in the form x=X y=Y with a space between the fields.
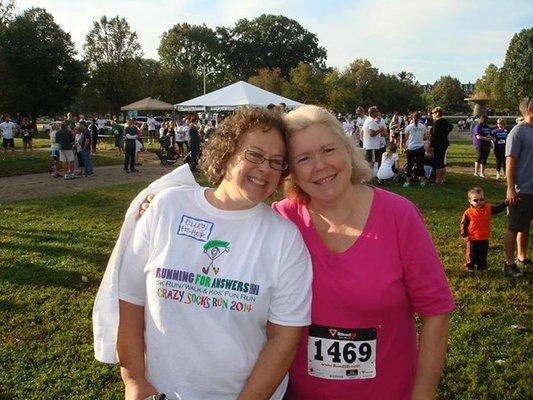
x=130 y=349
x=273 y=362
x=433 y=341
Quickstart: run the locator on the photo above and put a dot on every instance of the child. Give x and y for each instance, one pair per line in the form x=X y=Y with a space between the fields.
x=389 y=164
x=475 y=228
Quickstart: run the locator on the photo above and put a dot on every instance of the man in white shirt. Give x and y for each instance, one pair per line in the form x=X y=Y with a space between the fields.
x=7 y=133
x=151 y=122
x=372 y=132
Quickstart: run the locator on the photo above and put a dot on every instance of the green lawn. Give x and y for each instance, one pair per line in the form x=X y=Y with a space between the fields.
x=47 y=246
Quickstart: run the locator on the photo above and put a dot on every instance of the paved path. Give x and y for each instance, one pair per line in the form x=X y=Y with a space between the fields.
x=32 y=186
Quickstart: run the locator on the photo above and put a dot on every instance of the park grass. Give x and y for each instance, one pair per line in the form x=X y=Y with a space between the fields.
x=48 y=246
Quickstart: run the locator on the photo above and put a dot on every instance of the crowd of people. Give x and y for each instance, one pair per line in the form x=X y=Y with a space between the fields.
x=424 y=140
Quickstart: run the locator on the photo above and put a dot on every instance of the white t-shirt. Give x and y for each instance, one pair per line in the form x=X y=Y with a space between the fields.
x=348 y=128
x=101 y=123
x=53 y=144
x=151 y=124
x=416 y=136
x=8 y=129
x=370 y=142
x=385 y=169
x=210 y=280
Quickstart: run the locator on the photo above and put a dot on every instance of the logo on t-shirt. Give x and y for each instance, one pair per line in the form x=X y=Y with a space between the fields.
x=214 y=249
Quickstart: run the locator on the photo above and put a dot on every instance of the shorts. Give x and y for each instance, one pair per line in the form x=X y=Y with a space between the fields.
x=151 y=134
x=26 y=139
x=119 y=142
x=66 y=155
x=521 y=214
x=482 y=154
x=8 y=143
x=439 y=155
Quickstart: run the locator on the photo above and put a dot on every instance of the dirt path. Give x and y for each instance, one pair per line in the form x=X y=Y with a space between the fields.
x=32 y=186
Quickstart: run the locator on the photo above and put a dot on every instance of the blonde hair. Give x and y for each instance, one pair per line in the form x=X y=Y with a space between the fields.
x=302 y=118
x=473 y=191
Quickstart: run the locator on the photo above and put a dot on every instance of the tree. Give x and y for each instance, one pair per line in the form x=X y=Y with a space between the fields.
x=516 y=71
x=268 y=79
x=448 y=93
x=39 y=73
x=7 y=7
x=306 y=84
x=491 y=85
x=113 y=55
x=269 y=41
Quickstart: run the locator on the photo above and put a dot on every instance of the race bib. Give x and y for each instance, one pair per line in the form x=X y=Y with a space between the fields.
x=340 y=353
x=501 y=141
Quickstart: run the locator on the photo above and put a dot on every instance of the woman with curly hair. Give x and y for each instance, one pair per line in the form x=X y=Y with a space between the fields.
x=214 y=290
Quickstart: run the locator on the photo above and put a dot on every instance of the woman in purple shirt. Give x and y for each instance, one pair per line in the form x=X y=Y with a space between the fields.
x=482 y=140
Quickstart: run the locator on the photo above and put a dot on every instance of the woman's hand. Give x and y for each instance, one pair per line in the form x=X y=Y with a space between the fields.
x=144 y=206
x=139 y=390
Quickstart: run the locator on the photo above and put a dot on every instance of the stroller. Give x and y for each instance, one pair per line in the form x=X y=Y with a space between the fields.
x=166 y=153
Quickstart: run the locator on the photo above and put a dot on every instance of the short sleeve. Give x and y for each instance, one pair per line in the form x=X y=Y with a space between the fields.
x=424 y=276
x=291 y=299
x=132 y=278
x=513 y=145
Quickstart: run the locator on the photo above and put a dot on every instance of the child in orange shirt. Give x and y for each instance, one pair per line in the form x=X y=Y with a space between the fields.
x=475 y=228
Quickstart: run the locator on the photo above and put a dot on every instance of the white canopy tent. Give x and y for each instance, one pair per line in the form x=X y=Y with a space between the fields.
x=235 y=95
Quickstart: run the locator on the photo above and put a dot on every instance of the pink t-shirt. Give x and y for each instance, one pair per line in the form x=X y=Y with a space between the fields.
x=362 y=344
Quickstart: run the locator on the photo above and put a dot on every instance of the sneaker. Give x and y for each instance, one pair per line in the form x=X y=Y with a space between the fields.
x=524 y=263
x=476 y=174
x=469 y=270
x=406 y=184
x=481 y=175
x=498 y=176
x=512 y=271
x=90 y=175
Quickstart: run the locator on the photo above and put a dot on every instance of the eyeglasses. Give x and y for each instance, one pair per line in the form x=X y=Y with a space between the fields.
x=254 y=157
x=478 y=200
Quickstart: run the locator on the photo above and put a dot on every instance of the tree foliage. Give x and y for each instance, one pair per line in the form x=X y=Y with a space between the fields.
x=306 y=84
x=269 y=79
x=448 y=93
x=490 y=85
x=517 y=77
x=7 y=8
x=39 y=73
x=270 y=41
x=113 y=55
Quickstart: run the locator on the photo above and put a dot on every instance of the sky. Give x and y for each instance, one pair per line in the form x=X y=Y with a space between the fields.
x=426 y=37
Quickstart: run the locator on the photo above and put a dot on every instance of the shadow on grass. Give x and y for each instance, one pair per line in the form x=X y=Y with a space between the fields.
x=43 y=235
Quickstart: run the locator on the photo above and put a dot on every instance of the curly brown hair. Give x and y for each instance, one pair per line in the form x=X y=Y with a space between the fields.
x=228 y=137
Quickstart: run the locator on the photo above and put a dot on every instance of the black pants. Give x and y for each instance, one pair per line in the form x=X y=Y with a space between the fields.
x=129 y=157
x=415 y=162
x=499 y=152
x=476 y=254
x=195 y=154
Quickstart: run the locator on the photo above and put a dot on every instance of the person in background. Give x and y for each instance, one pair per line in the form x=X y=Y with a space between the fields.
x=118 y=134
x=519 y=164
x=390 y=165
x=54 y=151
x=439 y=142
x=372 y=133
x=415 y=134
x=475 y=229
x=65 y=139
x=7 y=133
x=482 y=140
x=130 y=147
x=76 y=148
x=151 y=122
x=85 y=150
x=194 y=142
x=93 y=127
x=26 y=131
x=499 y=138
x=359 y=122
